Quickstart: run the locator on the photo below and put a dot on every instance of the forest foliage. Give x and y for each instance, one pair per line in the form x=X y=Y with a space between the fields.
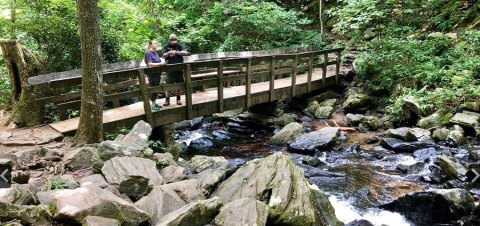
x=428 y=49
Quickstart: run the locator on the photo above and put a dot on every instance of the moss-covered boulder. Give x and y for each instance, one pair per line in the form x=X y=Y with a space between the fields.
x=311 y=108
x=324 y=112
x=369 y=123
x=74 y=205
x=198 y=213
x=437 y=119
x=287 y=134
x=452 y=167
x=357 y=102
x=328 y=103
x=253 y=212
x=285 y=119
x=278 y=182
x=472 y=105
x=354 y=119
x=441 y=134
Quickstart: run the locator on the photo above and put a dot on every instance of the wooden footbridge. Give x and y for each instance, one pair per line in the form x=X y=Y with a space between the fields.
x=222 y=81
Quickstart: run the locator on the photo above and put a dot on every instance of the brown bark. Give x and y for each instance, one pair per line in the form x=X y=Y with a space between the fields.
x=22 y=64
x=90 y=128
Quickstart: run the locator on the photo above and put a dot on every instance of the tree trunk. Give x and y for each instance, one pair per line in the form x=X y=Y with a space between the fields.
x=320 y=15
x=13 y=34
x=90 y=128
x=21 y=64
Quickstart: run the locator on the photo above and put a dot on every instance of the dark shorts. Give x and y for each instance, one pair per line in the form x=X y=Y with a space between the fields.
x=154 y=79
x=175 y=77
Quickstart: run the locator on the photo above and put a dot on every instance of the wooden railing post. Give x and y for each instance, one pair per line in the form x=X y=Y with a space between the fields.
x=324 y=73
x=146 y=101
x=294 y=74
x=188 y=89
x=337 y=72
x=272 y=79
x=248 y=84
x=220 y=86
x=310 y=73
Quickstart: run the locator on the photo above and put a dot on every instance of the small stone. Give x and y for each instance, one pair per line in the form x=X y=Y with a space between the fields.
x=354 y=119
x=370 y=122
x=453 y=168
x=418 y=134
x=399 y=133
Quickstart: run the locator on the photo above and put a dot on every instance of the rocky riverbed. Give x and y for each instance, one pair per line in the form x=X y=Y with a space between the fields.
x=329 y=159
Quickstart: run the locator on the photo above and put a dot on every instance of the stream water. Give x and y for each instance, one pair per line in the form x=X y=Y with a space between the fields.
x=371 y=175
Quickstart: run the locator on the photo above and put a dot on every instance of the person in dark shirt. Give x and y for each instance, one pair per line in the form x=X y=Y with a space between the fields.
x=152 y=59
x=173 y=53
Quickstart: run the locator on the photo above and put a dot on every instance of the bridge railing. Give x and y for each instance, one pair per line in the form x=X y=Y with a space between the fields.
x=125 y=82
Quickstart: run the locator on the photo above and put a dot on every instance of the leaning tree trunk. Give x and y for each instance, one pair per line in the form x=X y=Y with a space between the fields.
x=21 y=64
x=90 y=128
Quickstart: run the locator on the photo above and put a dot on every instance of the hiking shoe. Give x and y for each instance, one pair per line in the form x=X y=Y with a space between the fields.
x=156 y=107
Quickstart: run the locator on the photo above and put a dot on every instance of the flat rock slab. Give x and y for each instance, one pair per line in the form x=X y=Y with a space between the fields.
x=403 y=146
x=466 y=118
x=322 y=138
x=30 y=136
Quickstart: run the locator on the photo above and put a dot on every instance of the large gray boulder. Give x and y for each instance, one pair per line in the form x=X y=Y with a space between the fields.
x=134 y=176
x=455 y=138
x=467 y=119
x=75 y=205
x=170 y=197
x=287 y=134
x=442 y=206
x=198 y=213
x=419 y=134
x=200 y=163
x=133 y=144
x=398 y=133
x=354 y=119
x=253 y=212
x=80 y=158
x=437 y=119
x=278 y=182
x=308 y=143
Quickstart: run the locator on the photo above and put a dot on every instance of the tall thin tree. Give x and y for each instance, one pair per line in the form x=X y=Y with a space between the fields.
x=90 y=128
x=13 y=6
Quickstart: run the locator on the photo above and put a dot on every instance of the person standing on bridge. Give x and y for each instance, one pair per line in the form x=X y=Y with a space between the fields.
x=152 y=59
x=173 y=53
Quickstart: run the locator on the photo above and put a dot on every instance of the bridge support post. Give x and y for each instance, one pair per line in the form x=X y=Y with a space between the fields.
x=188 y=89
x=144 y=92
x=248 y=84
x=220 y=86
x=324 y=73
x=272 y=79
x=294 y=74
x=310 y=73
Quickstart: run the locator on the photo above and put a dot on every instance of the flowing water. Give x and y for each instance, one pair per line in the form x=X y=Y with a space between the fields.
x=371 y=177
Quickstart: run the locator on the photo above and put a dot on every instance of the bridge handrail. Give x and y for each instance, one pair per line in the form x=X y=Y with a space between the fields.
x=256 y=68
